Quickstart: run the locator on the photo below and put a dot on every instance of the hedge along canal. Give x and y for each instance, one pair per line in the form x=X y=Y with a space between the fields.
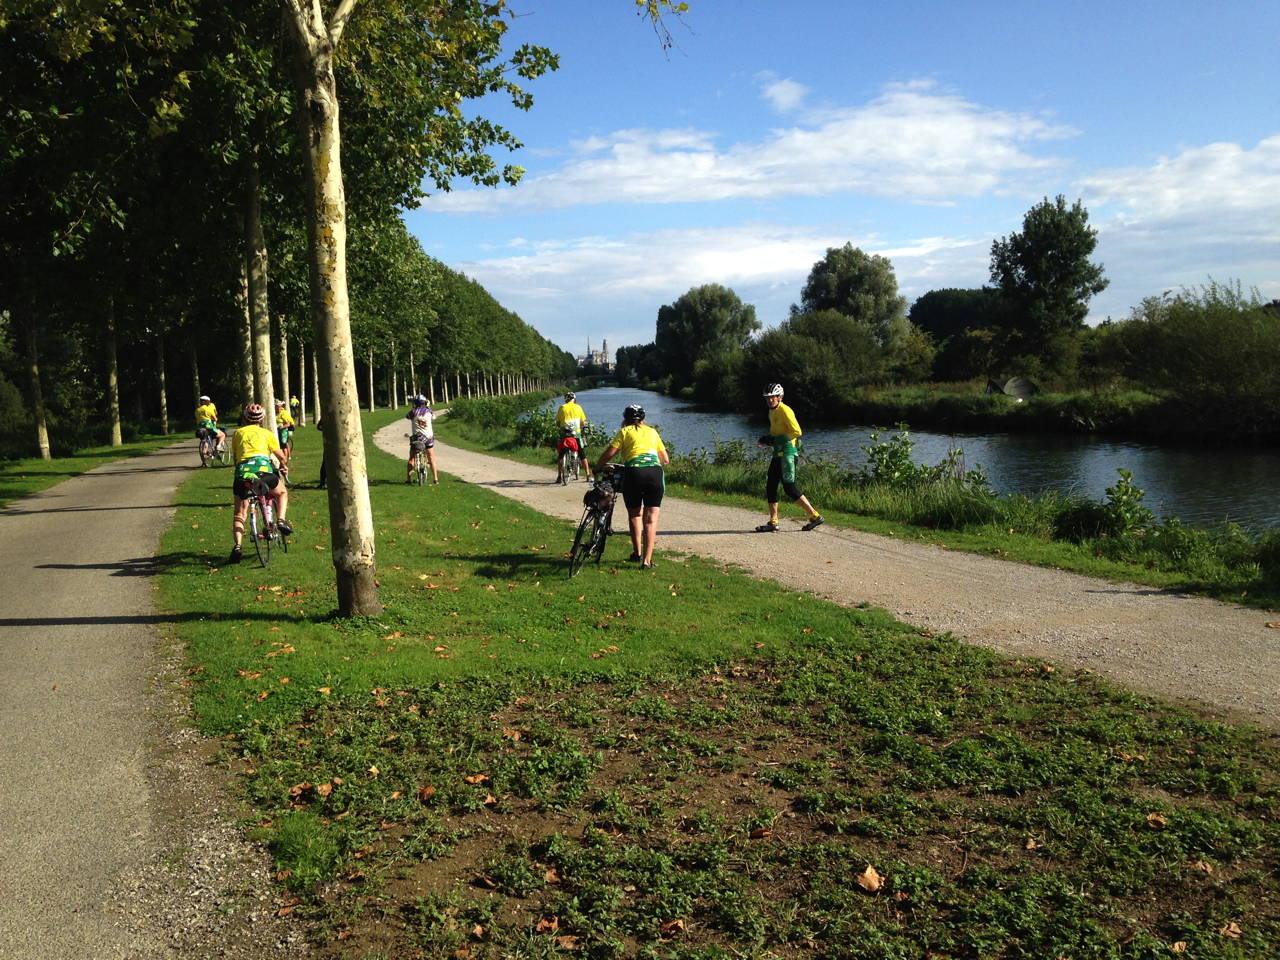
x=1200 y=486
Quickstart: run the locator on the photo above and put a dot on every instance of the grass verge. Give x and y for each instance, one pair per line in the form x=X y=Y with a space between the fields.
x=1011 y=528
x=689 y=763
x=20 y=478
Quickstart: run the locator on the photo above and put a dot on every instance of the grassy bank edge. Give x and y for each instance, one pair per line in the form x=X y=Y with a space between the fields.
x=21 y=478
x=1019 y=548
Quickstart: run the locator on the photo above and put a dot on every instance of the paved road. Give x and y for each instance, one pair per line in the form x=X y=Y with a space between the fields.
x=77 y=648
x=1216 y=656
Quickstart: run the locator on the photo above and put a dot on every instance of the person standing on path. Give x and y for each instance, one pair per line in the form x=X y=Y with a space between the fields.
x=572 y=421
x=784 y=436
x=643 y=482
x=422 y=436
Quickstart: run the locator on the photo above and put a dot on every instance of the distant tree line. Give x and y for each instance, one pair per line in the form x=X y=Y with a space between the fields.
x=1212 y=352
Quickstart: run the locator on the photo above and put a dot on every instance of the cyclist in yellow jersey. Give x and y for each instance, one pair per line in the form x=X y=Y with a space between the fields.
x=783 y=437
x=643 y=455
x=207 y=420
x=257 y=456
x=285 y=425
x=572 y=421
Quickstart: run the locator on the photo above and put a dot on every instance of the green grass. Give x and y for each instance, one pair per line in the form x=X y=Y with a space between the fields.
x=20 y=478
x=1011 y=528
x=689 y=763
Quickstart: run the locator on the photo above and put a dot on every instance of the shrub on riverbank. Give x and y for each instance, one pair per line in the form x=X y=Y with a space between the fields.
x=497 y=412
x=950 y=496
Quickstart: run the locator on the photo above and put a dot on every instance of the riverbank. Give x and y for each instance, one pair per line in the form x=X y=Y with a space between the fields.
x=689 y=762
x=1047 y=531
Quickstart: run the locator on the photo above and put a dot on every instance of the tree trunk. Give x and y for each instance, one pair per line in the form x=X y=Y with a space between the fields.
x=195 y=372
x=37 y=394
x=395 y=379
x=164 y=396
x=315 y=387
x=373 y=404
x=246 y=338
x=259 y=314
x=350 y=513
x=413 y=373
x=302 y=383
x=285 y=392
x=113 y=376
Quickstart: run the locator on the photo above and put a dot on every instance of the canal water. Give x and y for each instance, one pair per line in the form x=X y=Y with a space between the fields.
x=1197 y=486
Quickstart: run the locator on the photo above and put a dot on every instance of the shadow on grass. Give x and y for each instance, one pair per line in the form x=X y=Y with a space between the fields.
x=504 y=566
x=138 y=566
x=16 y=510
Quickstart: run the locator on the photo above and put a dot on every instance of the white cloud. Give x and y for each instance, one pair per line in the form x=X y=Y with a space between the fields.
x=1211 y=210
x=783 y=94
x=913 y=141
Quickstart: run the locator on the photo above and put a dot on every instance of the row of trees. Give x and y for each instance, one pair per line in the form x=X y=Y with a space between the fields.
x=851 y=327
x=174 y=172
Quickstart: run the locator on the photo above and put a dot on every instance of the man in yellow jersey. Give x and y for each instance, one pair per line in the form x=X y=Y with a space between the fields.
x=783 y=437
x=643 y=454
x=285 y=425
x=207 y=423
x=295 y=408
x=257 y=456
x=572 y=421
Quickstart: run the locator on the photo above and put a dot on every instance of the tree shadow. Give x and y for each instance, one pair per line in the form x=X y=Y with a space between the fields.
x=504 y=566
x=13 y=511
x=138 y=566
x=153 y=619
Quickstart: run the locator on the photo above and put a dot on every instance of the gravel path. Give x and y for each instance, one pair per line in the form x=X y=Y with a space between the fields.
x=116 y=840
x=1221 y=658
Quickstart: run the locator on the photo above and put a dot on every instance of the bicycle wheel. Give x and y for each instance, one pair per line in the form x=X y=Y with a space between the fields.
x=204 y=452
x=278 y=535
x=223 y=453
x=581 y=542
x=420 y=463
x=599 y=537
x=576 y=461
x=261 y=530
x=563 y=476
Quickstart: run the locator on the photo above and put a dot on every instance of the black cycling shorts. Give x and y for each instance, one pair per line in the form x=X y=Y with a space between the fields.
x=643 y=487
x=421 y=443
x=243 y=489
x=775 y=480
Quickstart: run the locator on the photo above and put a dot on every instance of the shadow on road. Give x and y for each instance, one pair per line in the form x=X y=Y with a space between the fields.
x=17 y=511
x=142 y=619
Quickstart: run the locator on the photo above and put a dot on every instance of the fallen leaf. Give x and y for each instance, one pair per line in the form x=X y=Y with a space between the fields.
x=547 y=925
x=1203 y=866
x=373 y=772
x=1231 y=930
x=759 y=833
x=511 y=733
x=440 y=649
x=671 y=928
x=476 y=778
x=263 y=695
x=325 y=691
x=1274 y=624
x=490 y=799
x=426 y=793
x=298 y=789
x=478 y=932
x=250 y=674
x=551 y=876
x=284 y=681
x=396 y=794
x=567 y=942
x=1157 y=821
x=1178 y=947
x=482 y=880
x=869 y=880
x=1032 y=844
x=344 y=934
x=323 y=790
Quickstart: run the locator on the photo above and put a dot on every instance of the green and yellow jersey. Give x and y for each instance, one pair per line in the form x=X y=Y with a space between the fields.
x=638 y=445
x=251 y=449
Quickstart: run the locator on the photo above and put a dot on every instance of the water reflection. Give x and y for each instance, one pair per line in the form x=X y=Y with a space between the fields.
x=1197 y=486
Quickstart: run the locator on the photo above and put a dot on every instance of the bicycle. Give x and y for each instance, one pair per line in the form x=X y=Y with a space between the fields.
x=263 y=528
x=597 y=520
x=419 y=461
x=222 y=451
x=569 y=464
x=207 y=448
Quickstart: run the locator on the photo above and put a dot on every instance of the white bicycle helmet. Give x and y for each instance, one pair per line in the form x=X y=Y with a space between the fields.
x=773 y=390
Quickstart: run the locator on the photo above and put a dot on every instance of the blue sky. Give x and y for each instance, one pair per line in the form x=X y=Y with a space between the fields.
x=920 y=131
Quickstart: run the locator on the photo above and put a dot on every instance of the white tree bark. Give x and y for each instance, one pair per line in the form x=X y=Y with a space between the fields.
x=259 y=312
x=350 y=513
x=37 y=394
x=164 y=396
x=373 y=403
x=285 y=392
x=113 y=376
x=302 y=383
x=246 y=338
x=315 y=386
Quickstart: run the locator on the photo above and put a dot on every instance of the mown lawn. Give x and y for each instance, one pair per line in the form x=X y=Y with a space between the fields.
x=689 y=763
x=20 y=478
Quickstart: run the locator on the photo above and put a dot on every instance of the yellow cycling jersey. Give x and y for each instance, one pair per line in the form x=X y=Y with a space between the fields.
x=206 y=411
x=638 y=445
x=253 y=441
x=284 y=419
x=783 y=423
x=571 y=415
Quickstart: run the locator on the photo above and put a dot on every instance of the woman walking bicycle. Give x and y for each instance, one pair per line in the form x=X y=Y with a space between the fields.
x=643 y=454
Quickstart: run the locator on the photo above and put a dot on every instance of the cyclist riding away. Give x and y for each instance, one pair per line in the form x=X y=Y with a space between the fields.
x=422 y=436
x=572 y=421
x=207 y=423
x=784 y=437
x=257 y=456
x=643 y=454
x=285 y=425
